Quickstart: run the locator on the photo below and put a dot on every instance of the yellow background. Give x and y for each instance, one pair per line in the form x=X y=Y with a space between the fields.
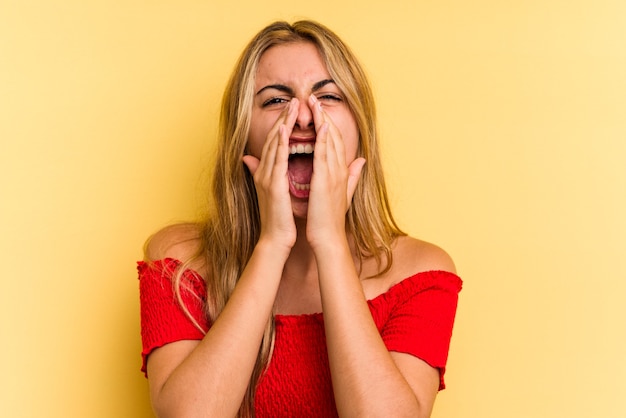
x=504 y=136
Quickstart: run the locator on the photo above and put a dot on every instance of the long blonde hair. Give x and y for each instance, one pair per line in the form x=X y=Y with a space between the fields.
x=232 y=230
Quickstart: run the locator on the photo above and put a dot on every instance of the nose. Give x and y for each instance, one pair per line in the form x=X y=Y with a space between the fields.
x=304 y=120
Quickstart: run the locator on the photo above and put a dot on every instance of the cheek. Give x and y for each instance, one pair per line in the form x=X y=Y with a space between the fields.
x=254 y=146
x=350 y=135
x=256 y=137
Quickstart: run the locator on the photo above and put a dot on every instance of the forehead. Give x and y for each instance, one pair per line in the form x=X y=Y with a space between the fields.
x=291 y=63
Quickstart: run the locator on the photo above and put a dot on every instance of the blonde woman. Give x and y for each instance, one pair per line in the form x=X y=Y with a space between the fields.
x=299 y=296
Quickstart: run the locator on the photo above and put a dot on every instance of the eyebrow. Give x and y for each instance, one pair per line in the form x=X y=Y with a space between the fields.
x=288 y=90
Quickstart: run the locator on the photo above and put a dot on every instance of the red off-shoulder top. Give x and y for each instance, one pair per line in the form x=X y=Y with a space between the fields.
x=415 y=316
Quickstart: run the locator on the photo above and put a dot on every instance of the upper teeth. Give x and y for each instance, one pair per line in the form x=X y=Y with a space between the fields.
x=301 y=149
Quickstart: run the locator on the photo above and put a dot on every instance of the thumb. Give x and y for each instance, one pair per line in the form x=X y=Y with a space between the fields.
x=251 y=162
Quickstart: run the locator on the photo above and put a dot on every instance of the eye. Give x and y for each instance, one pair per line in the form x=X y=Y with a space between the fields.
x=330 y=97
x=274 y=101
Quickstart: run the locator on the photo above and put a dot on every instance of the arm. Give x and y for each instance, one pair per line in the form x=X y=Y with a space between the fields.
x=210 y=377
x=368 y=380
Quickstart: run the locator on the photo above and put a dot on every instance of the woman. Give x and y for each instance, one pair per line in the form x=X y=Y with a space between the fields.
x=299 y=296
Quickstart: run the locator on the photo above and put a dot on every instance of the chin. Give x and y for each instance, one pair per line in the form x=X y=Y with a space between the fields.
x=299 y=208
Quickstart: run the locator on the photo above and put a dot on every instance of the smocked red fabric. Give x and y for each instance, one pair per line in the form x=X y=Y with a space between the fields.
x=415 y=316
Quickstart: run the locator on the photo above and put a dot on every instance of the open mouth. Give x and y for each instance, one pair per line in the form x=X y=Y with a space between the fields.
x=300 y=169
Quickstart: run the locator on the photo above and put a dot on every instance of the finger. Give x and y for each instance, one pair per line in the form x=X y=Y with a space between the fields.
x=287 y=117
x=251 y=162
x=268 y=155
x=316 y=109
x=321 y=143
x=282 y=137
x=292 y=114
x=335 y=147
x=282 y=148
x=320 y=115
x=335 y=141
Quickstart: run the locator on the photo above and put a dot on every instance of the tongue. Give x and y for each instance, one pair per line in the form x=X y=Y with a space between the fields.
x=301 y=168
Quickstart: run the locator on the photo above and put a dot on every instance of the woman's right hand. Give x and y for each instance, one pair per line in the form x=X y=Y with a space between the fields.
x=272 y=182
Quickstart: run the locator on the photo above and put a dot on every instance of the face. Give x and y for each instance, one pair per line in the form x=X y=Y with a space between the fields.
x=297 y=70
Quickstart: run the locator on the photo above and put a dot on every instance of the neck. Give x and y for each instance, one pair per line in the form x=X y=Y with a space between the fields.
x=301 y=262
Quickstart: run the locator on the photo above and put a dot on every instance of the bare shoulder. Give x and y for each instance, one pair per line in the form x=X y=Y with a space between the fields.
x=415 y=256
x=180 y=242
x=410 y=256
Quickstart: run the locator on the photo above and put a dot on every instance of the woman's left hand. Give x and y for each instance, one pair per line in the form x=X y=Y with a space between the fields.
x=333 y=182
